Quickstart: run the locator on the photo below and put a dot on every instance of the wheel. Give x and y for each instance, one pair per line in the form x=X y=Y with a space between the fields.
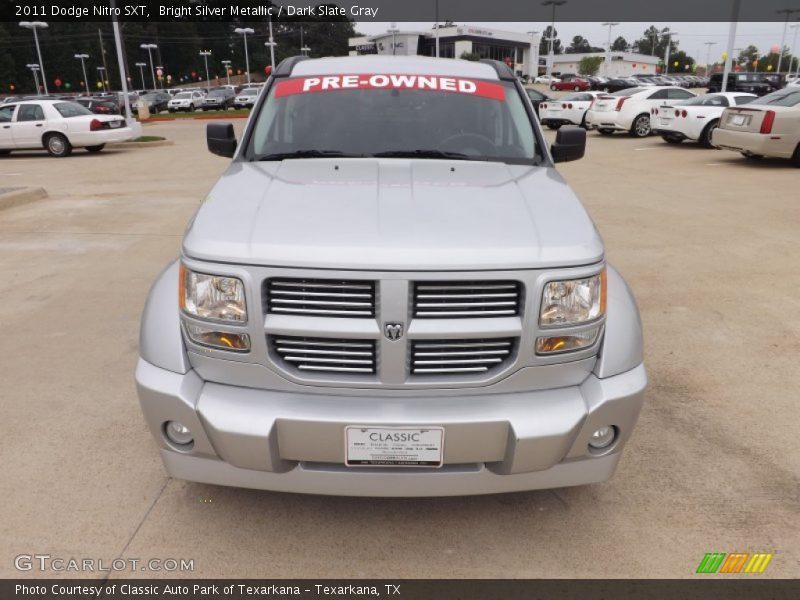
x=671 y=139
x=749 y=156
x=705 y=136
x=57 y=145
x=554 y=126
x=796 y=156
x=553 y=86
x=605 y=131
x=191 y=108
x=95 y=149
x=641 y=126
x=583 y=121
x=577 y=88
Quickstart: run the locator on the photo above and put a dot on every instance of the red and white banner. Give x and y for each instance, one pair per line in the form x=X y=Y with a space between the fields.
x=378 y=81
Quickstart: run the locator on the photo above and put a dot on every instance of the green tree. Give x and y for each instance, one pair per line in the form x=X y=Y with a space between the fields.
x=470 y=56
x=620 y=45
x=589 y=65
x=579 y=45
x=544 y=43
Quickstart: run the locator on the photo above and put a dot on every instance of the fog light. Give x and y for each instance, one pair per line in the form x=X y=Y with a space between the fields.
x=603 y=437
x=178 y=433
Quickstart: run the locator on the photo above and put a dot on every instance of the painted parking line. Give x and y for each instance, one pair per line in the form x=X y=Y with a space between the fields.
x=648 y=148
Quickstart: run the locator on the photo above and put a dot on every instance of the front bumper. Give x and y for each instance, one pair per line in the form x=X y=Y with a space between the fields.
x=294 y=442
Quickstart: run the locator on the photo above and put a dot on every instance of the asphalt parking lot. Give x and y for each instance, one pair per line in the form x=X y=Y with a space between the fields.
x=707 y=240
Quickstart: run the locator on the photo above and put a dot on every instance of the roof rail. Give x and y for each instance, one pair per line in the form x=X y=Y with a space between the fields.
x=285 y=67
x=503 y=70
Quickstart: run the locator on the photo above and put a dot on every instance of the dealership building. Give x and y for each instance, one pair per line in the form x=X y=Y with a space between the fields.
x=621 y=64
x=519 y=50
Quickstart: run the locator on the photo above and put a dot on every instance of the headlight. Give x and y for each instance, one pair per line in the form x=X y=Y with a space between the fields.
x=574 y=301
x=212 y=297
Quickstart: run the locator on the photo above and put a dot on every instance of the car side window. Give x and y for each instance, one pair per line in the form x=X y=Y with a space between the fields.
x=30 y=112
x=743 y=100
x=6 y=113
x=679 y=94
x=658 y=95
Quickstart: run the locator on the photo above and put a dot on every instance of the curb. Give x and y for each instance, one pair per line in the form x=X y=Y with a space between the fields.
x=142 y=144
x=21 y=196
x=196 y=118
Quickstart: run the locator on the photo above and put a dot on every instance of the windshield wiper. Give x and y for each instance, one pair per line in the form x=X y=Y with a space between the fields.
x=308 y=154
x=426 y=154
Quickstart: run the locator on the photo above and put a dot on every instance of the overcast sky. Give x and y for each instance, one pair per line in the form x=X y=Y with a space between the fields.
x=691 y=38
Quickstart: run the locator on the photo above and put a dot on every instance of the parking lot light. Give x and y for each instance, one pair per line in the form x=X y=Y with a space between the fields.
x=150 y=48
x=33 y=26
x=227 y=65
x=82 y=58
x=552 y=3
x=243 y=31
x=35 y=70
x=141 y=66
x=205 y=54
x=102 y=71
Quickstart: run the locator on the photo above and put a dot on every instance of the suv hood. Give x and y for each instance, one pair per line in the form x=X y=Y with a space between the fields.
x=392 y=214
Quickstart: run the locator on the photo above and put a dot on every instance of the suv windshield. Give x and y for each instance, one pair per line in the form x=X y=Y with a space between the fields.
x=394 y=116
x=183 y=96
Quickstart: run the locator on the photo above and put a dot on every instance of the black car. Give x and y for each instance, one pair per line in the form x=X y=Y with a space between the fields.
x=537 y=98
x=619 y=83
x=218 y=99
x=156 y=101
x=99 y=106
x=759 y=84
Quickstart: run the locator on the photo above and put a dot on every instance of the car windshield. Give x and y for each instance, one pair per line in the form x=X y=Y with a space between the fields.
x=709 y=100
x=782 y=97
x=249 y=92
x=183 y=96
x=394 y=116
x=216 y=93
x=71 y=109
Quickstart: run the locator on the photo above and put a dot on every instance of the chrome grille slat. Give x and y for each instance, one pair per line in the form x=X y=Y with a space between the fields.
x=459 y=356
x=464 y=299
x=325 y=354
x=320 y=297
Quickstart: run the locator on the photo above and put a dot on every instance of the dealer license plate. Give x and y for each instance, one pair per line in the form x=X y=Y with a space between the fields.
x=393 y=446
x=115 y=124
x=738 y=119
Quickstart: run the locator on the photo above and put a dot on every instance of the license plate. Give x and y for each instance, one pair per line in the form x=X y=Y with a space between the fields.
x=394 y=446
x=738 y=119
x=115 y=124
x=665 y=121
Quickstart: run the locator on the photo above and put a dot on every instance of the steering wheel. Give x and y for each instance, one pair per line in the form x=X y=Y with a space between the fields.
x=464 y=142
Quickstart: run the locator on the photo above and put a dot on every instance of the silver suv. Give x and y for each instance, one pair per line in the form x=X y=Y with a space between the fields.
x=391 y=292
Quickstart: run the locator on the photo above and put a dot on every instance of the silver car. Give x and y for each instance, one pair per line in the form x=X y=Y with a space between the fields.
x=391 y=291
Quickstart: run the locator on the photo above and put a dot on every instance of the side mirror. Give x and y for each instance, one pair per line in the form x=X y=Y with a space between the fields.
x=570 y=144
x=221 y=139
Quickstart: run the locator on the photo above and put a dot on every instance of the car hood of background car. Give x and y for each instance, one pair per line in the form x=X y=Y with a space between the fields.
x=392 y=214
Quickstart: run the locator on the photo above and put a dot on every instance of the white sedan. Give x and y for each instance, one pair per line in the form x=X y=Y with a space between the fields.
x=188 y=101
x=58 y=126
x=629 y=109
x=567 y=110
x=695 y=119
x=546 y=80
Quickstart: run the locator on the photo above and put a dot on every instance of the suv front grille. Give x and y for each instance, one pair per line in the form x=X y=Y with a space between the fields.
x=463 y=299
x=321 y=297
x=459 y=356
x=326 y=354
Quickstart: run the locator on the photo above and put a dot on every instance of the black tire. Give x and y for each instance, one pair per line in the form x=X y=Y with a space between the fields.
x=57 y=145
x=640 y=127
x=705 y=135
x=553 y=86
x=95 y=149
x=583 y=121
x=796 y=156
x=749 y=156
x=671 y=139
x=554 y=126
x=605 y=131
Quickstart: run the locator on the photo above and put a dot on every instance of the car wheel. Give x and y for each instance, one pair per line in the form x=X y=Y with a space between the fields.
x=705 y=136
x=554 y=125
x=641 y=126
x=553 y=86
x=796 y=156
x=605 y=131
x=57 y=145
x=95 y=149
x=671 y=139
x=577 y=88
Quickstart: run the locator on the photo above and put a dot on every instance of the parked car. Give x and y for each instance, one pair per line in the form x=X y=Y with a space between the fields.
x=156 y=101
x=694 y=119
x=189 y=101
x=629 y=110
x=219 y=99
x=571 y=82
x=246 y=98
x=768 y=126
x=759 y=84
x=58 y=126
x=567 y=110
x=545 y=79
x=616 y=84
x=248 y=377
x=100 y=106
x=536 y=97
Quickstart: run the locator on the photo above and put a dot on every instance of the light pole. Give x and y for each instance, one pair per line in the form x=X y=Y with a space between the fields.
x=34 y=25
x=141 y=66
x=608 y=46
x=785 y=11
x=271 y=43
x=796 y=58
x=733 y=22
x=82 y=58
x=102 y=71
x=708 y=54
x=552 y=3
x=150 y=48
x=670 y=34
x=227 y=65
x=35 y=70
x=436 y=16
x=243 y=31
x=394 y=30
x=304 y=50
x=205 y=54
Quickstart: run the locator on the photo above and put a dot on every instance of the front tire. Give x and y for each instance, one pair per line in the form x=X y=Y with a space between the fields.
x=553 y=86
x=605 y=131
x=57 y=145
x=554 y=126
x=641 y=126
x=95 y=149
x=705 y=136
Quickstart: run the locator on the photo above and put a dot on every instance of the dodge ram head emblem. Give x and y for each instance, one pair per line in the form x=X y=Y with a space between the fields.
x=393 y=330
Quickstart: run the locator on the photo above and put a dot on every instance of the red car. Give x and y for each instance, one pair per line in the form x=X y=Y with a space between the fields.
x=575 y=84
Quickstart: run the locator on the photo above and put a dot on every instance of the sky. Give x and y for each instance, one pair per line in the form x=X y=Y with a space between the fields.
x=691 y=36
